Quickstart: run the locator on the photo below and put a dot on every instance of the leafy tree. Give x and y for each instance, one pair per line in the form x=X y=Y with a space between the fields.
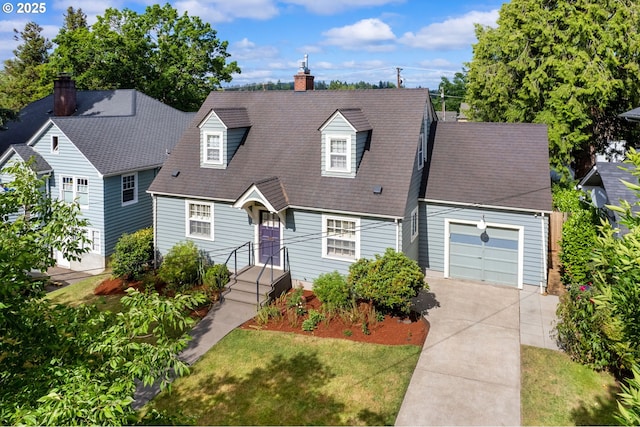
x=572 y=65
x=64 y=365
x=454 y=91
x=175 y=59
x=21 y=81
x=32 y=225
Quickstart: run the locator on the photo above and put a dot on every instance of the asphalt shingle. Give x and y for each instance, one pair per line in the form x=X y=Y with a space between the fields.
x=490 y=164
x=285 y=141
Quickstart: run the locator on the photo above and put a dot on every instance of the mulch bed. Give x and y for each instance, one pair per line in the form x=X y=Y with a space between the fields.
x=412 y=330
x=391 y=331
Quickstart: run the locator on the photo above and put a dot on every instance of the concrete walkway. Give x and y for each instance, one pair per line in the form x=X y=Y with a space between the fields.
x=469 y=369
x=218 y=322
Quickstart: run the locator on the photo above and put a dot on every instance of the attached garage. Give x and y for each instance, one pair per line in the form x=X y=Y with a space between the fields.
x=492 y=254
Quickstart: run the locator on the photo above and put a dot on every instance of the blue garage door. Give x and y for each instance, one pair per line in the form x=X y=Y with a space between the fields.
x=489 y=256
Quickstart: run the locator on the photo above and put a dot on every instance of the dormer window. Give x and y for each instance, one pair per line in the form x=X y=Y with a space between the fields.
x=345 y=139
x=338 y=153
x=222 y=132
x=212 y=148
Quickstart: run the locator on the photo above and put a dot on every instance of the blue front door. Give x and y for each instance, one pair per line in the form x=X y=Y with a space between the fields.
x=269 y=238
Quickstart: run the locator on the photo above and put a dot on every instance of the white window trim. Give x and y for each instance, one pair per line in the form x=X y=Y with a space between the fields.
x=421 y=150
x=327 y=151
x=187 y=220
x=135 y=189
x=90 y=244
x=414 y=220
x=55 y=148
x=325 y=236
x=74 y=180
x=205 y=136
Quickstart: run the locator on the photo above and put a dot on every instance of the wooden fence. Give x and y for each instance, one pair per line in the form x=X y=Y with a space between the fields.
x=554 y=284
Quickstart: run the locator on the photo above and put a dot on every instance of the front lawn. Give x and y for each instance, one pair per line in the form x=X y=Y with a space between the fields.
x=82 y=293
x=275 y=378
x=555 y=391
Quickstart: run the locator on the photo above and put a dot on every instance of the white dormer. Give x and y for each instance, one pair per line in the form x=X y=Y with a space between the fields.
x=222 y=132
x=345 y=138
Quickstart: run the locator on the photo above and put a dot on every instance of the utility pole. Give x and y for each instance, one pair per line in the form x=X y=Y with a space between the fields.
x=398 y=69
x=444 y=117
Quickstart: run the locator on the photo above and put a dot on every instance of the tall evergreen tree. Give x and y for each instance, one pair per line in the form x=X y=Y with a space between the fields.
x=573 y=65
x=21 y=82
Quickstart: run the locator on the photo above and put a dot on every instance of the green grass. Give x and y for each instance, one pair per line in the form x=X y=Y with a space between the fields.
x=82 y=293
x=555 y=391
x=275 y=378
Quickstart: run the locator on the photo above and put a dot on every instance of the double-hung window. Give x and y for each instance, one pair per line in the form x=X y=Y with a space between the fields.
x=341 y=237
x=212 y=148
x=199 y=220
x=338 y=153
x=74 y=188
x=414 y=224
x=129 y=189
x=95 y=244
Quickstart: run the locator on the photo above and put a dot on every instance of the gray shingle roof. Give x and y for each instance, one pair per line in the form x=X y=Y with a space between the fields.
x=116 y=130
x=285 y=141
x=233 y=118
x=25 y=153
x=609 y=175
x=138 y=139
x=632 y=115
x=494 y=164
x=272 y=189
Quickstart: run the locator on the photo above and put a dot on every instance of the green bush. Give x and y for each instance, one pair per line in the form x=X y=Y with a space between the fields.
x=133 y=254
x=389 y=281
x=566 y=198
x=332 y=291
x=216 y=276
x=312 y=321
x=629 y=403
x=180 y=268
x=579 y=234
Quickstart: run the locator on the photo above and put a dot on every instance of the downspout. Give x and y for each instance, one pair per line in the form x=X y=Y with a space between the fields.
x=544 y=244
x=397 y=234
x=155 y=231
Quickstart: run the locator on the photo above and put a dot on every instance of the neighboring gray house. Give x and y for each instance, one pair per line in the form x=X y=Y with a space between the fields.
x=328 y=177
x=100 y=148
x=604 y=186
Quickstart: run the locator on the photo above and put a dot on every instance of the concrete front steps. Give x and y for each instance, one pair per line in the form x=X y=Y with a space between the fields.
x=242 y=287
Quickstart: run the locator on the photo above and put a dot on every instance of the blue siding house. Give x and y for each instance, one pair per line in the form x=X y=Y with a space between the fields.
x=314 y=180
x=99 y=148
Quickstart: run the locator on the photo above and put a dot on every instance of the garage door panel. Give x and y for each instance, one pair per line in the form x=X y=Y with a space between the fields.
x=491 y=256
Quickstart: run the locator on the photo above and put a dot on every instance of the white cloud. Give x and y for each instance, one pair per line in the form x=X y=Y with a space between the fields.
x=454 y=33
x=368 y=34
x=225 y=11
x=246 y=50
x=330 y=7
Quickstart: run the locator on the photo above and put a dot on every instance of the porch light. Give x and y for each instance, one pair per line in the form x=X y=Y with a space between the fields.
x=482 y=225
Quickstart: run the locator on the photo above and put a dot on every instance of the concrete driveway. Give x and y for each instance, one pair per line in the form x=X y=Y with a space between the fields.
x=469 y=370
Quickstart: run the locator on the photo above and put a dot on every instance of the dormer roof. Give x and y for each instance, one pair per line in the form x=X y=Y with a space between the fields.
x=354 y=116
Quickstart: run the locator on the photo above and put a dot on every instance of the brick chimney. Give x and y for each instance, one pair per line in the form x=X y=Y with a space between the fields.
x=303 y=81
x=64 y=95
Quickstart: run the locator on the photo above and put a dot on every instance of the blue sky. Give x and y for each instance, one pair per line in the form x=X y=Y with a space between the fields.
x=347 y=40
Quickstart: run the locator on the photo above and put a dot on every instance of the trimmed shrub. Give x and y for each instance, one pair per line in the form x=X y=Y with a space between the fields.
x=332 y=291
x=389 y=281
x=579 y=235
x=133 y=254
x=180 y=268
